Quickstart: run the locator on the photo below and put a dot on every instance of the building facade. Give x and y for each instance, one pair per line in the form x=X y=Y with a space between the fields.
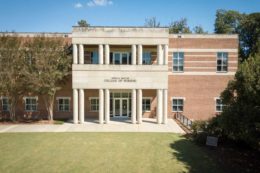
x=135 y=72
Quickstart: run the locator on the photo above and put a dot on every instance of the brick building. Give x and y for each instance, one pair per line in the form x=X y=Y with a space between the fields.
x=135 y=72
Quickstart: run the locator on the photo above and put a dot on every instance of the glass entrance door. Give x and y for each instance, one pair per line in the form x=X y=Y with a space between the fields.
x=120 y=107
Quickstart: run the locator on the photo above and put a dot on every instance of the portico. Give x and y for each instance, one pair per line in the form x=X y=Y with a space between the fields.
x=120 y=64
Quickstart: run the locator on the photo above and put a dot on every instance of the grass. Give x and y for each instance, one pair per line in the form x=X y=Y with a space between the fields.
x=102 y=152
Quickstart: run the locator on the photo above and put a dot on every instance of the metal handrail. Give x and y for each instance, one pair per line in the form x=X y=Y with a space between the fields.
x=183 y=119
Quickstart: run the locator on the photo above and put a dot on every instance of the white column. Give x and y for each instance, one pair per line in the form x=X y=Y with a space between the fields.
x=159 y=54
x=133 y=54
x=100 y=54
x=75 y=106
x=81 y=106
x=139 y=106
x=159 y=106
x=81 y=54
x=166 y=54
x=107 y=106
x=133 y=109
x=107 y=52
x=101 y=106
x=75 y=54
x=165 y=106
x=140 y=54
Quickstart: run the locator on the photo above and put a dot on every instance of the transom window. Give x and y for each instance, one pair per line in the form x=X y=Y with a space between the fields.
x=5 y=104
x=64 y=104
x=222 y=62
x=147 y=58
x=178 y=58
x=219 y=105
x=31 y=103
x=177 y=104
x=94 y=104
x=146 y=104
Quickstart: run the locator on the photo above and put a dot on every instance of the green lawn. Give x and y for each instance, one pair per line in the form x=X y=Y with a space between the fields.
x=102 y=152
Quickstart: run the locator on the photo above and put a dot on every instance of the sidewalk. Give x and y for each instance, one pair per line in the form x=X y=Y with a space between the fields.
x=148 y=125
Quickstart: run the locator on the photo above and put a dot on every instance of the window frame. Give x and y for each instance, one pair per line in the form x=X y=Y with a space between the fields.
x=221 y=105
x=31 y=104
x=6 y=104
x=146 y=98
x=222 y=57
x=63 y=104
x=178 y=64
x=177 y=98
x=96 y=104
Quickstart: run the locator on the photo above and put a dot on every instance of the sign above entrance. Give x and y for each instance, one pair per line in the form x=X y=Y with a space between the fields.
x=119 y=76
x=120 y=79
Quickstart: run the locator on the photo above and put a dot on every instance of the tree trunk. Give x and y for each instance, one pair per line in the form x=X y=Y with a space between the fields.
x=12 y=108
x=49 y=104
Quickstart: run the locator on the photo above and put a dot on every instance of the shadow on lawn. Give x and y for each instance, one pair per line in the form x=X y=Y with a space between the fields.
x=192 y=156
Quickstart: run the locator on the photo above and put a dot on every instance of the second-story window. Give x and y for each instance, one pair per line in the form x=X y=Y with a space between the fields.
x=222 y=62
x=94 y=57
x=219 y=105
x=178 y=58
x=147 y=58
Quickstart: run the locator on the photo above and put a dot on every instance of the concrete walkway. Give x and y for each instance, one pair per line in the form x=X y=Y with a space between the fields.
x=148 y=125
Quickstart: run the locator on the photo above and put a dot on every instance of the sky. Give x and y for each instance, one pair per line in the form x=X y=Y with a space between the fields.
x=61 y=15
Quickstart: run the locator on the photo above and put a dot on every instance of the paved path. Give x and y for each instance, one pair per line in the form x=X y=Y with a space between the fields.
x=148 y=125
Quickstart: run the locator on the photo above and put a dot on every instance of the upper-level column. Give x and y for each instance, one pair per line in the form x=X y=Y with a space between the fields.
x=75 y=54
x=100 y=54
x=107 y=52
x=133 y=54
x=81 y=54
x=140 y=54
x=159 y=54
x=165 y=54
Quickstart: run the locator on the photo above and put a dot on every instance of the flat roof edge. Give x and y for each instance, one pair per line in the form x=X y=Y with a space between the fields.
x=234 y=36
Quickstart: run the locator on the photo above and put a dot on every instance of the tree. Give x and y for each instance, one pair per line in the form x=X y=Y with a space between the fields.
x=179 y=26
x=249 y=34
x=50 y=67
x=227 y=22
x=152 y=22
x=83 y=23
x=199 y=30
x=247 y=26
x=13 y=79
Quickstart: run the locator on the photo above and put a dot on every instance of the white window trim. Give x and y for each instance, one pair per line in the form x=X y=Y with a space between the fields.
x=90 y=98
x=57 y=99
x=31 y=97
x=150 y=98
x=8 y=105
x=215 y=98
x=217 y=63
x=173 y=62
x=183 y=98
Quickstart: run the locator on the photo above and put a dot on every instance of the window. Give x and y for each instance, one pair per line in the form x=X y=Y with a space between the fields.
x=64 y=104
x=94 y=57
x=31 y=103
x=146 y=104
x=177 y=104
x=222 y=62
x=147 y=58
x=5 y=104
x=219 y=105
x=94 y=104
x=178 y=58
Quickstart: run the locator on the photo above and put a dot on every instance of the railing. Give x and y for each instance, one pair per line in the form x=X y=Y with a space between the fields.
x=184 y=120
